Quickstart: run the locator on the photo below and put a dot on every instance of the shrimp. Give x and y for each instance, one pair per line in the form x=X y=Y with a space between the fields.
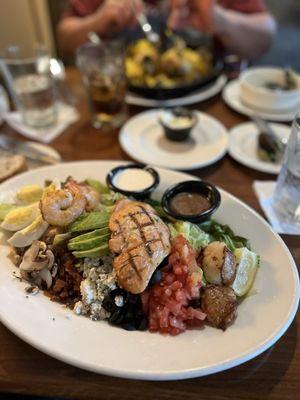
x=62 y=206
x=92 y=197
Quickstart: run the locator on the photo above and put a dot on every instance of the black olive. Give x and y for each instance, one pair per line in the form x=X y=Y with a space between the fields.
x=129 y=315
x=116 y=317
x=143 y=324
x=196 y=303
x=156 y=277
x=129 y=326
x=133 y=299
x=119 y=292
x=139 y=313
x=109 y=304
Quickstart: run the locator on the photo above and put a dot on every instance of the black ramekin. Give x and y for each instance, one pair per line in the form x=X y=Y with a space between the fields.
x=179 y=134
x=210 y=192
x=137 y=194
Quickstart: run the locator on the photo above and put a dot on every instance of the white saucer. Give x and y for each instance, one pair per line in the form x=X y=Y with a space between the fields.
x=231 y=96
x=142 y=137
x=194 y=97
x=243 y=144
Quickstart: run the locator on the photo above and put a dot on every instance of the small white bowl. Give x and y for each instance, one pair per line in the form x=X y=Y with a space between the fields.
x=255 y=94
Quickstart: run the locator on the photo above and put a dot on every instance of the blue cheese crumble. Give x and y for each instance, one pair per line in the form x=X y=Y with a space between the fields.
x=99 y=280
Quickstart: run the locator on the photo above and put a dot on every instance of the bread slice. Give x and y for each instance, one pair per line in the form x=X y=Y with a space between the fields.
x=11 y=164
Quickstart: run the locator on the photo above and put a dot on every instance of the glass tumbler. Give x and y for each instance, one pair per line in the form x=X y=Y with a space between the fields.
x=102 y=68
x=286 y=198
x=29 y=82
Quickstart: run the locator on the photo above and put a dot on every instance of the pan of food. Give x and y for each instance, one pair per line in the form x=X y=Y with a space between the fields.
x=179 y=65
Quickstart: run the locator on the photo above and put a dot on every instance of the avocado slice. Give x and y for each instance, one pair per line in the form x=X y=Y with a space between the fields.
x=90 y=235
x=61 y=237
x=89 y=243
x=92 y=253
x=90 y=221
x=97 y=185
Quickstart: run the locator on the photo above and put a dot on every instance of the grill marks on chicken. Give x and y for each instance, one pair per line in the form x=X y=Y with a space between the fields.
x=142 y=241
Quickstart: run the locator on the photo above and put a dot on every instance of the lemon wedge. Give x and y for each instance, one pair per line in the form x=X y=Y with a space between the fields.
x=29 y=194
x=247 y=265
x=20 y=217
x=26 y=236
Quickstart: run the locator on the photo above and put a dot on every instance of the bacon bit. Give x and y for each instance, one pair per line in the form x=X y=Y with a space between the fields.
x=66 y=288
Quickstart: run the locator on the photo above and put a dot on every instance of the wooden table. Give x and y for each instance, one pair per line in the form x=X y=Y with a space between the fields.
x=273 y=375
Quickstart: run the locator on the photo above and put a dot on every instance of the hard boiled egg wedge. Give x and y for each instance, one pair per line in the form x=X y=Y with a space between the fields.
x=29 y=194
x=26 y=236
x=20 y=217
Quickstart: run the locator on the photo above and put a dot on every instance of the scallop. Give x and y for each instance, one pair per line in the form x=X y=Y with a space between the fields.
x=218 y=264
x=219 y=303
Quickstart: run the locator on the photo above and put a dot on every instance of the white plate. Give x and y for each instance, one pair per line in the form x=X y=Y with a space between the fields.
x=243 y=146
x=231 y=96
x=195 y=97
x=50 y=151
x=262 y=318
x=4 y=102
x=142 y=137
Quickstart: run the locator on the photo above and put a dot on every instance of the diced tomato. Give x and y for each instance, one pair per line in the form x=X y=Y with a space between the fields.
x=167 y=302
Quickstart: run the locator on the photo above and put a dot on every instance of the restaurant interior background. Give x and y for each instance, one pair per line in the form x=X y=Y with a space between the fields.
x=38 y=18
x=34 y=21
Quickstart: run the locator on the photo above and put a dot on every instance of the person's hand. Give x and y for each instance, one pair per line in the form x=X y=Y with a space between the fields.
x=194 y=13
x=117 y=14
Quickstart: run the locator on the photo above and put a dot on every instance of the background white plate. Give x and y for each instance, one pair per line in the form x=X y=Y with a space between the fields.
x=98 y=347
x=142 y=137
x=4 y=102
x=243 y=146
x=231 y=96
x=195 y=97
x=50 y=151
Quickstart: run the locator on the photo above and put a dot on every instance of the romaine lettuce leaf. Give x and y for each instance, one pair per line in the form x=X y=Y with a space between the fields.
x=196 y=237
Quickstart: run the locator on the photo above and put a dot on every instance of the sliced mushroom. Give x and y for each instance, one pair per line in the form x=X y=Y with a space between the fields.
x=51 y=258
x=54 y=270
x=45 y=276
x=31 y=260
x=37 y=263
x=218 y=264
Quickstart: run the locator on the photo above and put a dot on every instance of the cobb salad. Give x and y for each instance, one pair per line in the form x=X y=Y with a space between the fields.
x=123 y=260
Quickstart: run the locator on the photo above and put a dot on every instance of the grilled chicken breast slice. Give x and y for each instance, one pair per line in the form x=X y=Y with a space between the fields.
x=142 y=241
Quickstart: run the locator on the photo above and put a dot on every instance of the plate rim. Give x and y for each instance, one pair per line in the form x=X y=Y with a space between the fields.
x=247 y=111
x=268 y=167
x=124 y=133
x=170 y=375
x=189 y=99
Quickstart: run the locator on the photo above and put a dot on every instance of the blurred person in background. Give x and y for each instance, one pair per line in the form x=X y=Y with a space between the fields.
x=104 y=17
x=243 y=27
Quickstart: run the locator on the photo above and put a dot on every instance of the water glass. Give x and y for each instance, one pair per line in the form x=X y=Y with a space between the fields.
x=30 y=85
x=102 y=68
x=286 y=199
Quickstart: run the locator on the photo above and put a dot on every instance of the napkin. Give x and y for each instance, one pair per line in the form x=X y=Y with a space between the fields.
x=264 y=191
x=66 y=115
